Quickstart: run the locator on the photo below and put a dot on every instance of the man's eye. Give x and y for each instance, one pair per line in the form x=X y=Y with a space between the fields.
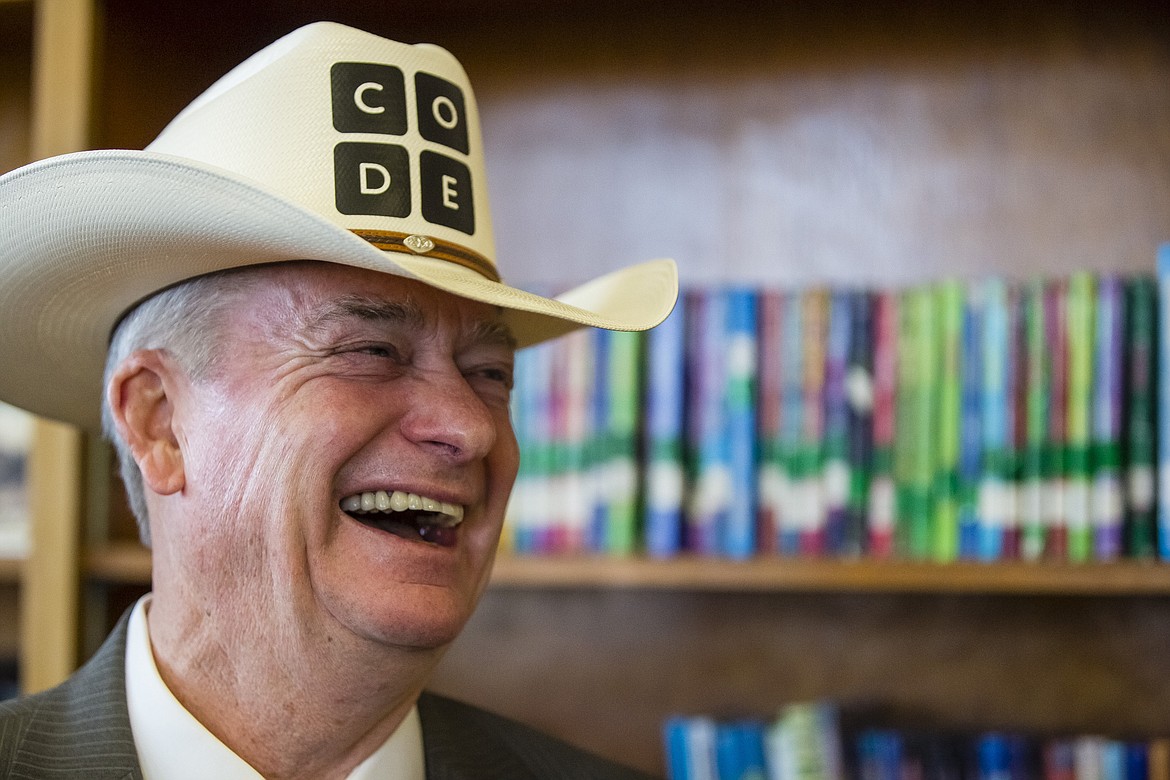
x=387 y=351
x=498 y=376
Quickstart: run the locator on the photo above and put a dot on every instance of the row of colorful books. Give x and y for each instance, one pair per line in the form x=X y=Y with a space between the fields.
x=983 y=420
x=810 y=741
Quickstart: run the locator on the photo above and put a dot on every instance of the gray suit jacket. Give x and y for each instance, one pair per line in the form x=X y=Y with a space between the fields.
x=81 y=729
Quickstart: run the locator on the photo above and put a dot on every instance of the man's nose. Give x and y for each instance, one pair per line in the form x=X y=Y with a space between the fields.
x=447 y=417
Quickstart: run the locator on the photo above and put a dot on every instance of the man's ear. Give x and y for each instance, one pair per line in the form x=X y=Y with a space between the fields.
x=141 y=398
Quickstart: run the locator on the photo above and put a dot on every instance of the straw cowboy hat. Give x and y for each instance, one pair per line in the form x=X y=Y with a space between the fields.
x=330 y=144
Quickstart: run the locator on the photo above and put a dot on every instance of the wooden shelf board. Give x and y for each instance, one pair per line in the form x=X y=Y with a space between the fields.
x=774 y=574
x=130 y=563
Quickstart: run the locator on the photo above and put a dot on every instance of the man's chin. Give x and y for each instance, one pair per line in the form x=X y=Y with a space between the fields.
x=424 y=625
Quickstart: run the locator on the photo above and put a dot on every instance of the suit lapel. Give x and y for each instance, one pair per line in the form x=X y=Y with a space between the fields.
x=82 y=727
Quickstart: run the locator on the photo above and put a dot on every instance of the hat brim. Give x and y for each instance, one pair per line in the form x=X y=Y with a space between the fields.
x=85 y=236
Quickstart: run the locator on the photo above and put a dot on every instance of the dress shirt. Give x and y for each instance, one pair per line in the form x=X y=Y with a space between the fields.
x=173 y=745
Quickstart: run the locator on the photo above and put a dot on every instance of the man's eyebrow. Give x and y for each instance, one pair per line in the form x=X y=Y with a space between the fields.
x=366 y=308
x=493 y=333
x=406 y=312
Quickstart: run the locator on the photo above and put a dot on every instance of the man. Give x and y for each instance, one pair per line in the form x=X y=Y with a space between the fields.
x=307 y=382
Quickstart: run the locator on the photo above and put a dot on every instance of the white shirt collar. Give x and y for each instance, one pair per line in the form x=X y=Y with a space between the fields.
x=173 y=745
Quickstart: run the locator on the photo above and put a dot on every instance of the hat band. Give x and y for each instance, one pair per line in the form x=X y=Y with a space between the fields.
x=391 y=241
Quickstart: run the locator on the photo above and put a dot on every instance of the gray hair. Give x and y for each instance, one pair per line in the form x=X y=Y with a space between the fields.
x=183 y=320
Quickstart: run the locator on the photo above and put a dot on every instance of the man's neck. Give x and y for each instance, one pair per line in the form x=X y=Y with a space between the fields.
x=292 y=706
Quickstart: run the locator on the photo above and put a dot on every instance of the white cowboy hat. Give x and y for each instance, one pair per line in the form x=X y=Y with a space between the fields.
x=330 y=144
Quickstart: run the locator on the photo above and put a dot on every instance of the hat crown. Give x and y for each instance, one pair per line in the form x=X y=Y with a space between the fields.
x=381 y=138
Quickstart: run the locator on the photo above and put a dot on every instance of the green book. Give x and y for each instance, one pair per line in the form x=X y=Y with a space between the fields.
x=621 y=471
x=947 y=349
x=1080 y=322
x=915 y=457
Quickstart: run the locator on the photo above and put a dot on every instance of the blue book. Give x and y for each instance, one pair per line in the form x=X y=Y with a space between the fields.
x=1112 y=760
x=707 y=504
x=1137 y=761
x=675 y=736
x=739 y=397
x=791 y=421
x=739 y=750
x=970 y=422
x=664 y=478
x=599 y=444
x=993 y=757
x=879 y=755
x=1163 y=383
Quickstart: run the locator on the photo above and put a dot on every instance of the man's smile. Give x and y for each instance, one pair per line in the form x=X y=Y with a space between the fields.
x=408 y=515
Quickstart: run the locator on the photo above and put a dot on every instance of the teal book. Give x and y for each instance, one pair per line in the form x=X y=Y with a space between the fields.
x=1037 y=398
x=738 y=531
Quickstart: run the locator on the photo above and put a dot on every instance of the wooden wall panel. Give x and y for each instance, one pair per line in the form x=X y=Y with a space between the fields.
x=880 y=141
x=604 y=668
x=16 y=84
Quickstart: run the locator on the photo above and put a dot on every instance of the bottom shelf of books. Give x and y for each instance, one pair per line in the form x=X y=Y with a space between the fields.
x=824 y=741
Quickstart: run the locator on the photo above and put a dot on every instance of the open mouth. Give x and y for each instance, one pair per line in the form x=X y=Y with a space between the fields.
x=407 y=515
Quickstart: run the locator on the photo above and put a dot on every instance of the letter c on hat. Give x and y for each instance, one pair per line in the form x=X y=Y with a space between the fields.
x=359 y=98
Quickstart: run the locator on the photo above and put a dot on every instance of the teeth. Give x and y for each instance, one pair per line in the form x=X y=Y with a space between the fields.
x=398 y=501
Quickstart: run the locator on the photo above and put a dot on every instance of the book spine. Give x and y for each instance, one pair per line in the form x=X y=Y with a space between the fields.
x=621 y=472
x=808 y=462
x=916 y=419
x=1032 y=531
x=533 y=529
x=971 y=422
x=859 y=394
x=1144 y=429
x=553 y=524
x=1163 y=389
x=1080 y=328
x=712 y=484
x=1017 y=422
x=995 y=470
x=947 y=426
x=520 y=408
x=771 y=476
x=1106 y=500
x=1054 y=511
x=835 y=485
x=664 y=479
x=792 y=423
x=599 y=445
x=675 y=734
x=739 y=527
x=882 y=503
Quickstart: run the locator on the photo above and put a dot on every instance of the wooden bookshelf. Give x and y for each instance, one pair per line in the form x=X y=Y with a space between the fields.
x=129 y=563
x=881 y=141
